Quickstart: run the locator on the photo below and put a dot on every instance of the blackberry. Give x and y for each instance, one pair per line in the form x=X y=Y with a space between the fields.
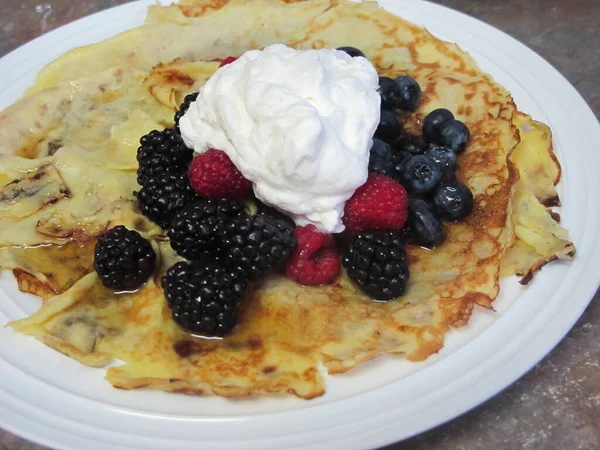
x=197 y=229
x=164 y=195
x=184 y=107
x=160 y=152
x=123 y=259
x=257 y=244
x=377 y=263
x=204 y=298
x=272 y=213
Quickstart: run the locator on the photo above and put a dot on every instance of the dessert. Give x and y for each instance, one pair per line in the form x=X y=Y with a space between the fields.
x=452 y=166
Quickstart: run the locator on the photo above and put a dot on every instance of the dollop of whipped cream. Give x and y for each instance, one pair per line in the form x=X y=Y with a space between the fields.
x=297 y=123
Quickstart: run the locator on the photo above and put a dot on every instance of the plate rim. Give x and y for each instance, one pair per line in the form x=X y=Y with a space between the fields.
x=541 y=349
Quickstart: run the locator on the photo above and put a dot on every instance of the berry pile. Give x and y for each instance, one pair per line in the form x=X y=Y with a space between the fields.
x=200 y=203
x=425 y=165
x=412 y=188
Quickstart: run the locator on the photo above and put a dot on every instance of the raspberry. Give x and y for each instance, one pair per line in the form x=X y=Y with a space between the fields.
x=315 y=260
x=227 y=60
x=213 y=175
x=379 y=204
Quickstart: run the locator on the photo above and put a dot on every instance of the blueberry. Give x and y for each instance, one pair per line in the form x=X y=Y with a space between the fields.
x=447 y=177
x=411 y=143
x=380 y=150
x=425 y=227
x=420 y=175
x=432 y=123
x=352 y=51
x=389 y=128
x=454 y=134
x=453 y=201
x=390 y=92
x=410 y=93
x=443 y=157
x=399 y=159
x=380 y=158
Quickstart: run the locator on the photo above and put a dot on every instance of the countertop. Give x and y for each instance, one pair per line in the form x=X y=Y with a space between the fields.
x=557 y=404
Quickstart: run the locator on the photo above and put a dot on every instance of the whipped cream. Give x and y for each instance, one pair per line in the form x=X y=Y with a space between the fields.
x=297 y=123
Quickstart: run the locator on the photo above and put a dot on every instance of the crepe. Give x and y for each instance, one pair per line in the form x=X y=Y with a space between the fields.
x=287 y=332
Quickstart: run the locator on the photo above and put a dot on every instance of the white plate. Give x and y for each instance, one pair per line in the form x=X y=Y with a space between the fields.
x=53 y=400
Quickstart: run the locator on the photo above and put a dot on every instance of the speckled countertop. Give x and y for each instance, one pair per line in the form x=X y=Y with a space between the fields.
x=557 y=404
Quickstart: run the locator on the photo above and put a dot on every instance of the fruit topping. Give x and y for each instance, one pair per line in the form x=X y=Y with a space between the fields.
x=270 y=212
x=123 y=259
x=410 y=93
x=256 y=245
x=161 y=197
x=380 y=158
x=315 y=260
x=212 y=174
x=377 y=263
x=204 y=298
x=389 y=128
x=432 y=123
x=453 y=201
x=425 y=228
x=379 y=204
x=412 y=144
x=197 y=230
x=454 y=134
x=399 y=159
x=352 y=51
x=390 y=93
x=303 y=138
x=447 y=177
x=420 y=175
x=160 y=152
x=184 y=107
x=227 y=60
x=444 y=157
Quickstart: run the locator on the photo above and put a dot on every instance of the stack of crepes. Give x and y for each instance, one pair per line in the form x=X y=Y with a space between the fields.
x=68 y=173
